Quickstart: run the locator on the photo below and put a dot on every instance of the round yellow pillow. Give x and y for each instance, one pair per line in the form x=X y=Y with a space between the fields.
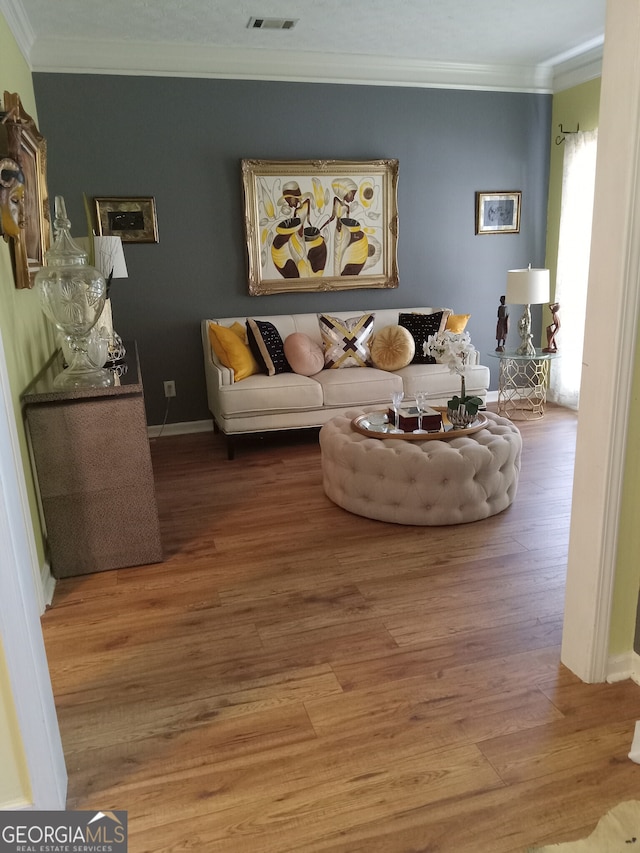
x=392 y=348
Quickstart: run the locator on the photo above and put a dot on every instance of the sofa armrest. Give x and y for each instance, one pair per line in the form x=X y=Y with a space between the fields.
x=216 y=374
x=213 y=367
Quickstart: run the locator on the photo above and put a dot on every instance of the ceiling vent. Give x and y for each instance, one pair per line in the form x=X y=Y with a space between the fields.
x=272 y=23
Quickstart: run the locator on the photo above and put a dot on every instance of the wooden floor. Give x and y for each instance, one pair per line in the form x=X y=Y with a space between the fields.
x=297 y=678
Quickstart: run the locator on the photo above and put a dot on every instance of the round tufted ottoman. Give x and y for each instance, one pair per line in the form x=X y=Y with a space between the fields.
x=421 y=482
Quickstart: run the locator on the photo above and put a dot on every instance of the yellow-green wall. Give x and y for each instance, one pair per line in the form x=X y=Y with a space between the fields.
x=581 y=105
x=27 y=335
x=577 y=106
x=627 y=580
x=14 y=779
x=28 y=342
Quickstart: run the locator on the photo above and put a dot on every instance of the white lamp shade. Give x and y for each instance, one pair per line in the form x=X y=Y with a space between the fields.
x=527 y=287
x=109 y=255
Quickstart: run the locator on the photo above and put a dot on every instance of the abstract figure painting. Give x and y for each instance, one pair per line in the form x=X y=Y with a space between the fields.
x=314 y=225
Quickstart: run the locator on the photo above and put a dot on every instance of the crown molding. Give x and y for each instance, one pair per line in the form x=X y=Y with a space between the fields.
x=76 y=56
x=578 y=69
x=20 y=26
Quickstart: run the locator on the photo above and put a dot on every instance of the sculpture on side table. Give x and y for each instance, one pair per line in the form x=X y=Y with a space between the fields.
x=553 y=328
x=502 y=329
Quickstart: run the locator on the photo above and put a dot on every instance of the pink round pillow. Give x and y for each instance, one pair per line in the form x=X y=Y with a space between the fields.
x=303 y=354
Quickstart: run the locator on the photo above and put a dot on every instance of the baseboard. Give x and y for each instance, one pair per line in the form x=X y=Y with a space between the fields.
x=622 y=667
x=48 y=583
x=18 y=806
x=183 y=428
x=187 y=427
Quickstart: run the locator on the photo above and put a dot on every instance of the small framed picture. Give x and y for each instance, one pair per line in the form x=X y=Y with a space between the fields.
x=498 y=212
x=131 y=219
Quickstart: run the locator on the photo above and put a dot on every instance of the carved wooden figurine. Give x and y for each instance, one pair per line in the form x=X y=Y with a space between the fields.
x=502 y=328
x=552 y=328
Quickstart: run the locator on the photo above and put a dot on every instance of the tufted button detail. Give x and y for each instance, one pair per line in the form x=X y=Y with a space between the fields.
x=411 y=483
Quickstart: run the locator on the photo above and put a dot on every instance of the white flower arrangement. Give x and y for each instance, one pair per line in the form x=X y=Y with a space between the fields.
x=450 y=348
x=454 y=349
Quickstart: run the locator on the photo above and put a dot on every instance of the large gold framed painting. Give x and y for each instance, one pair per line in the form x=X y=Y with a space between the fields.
x=314 y=225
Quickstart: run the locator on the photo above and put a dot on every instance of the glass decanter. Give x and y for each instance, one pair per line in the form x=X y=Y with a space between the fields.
x=72 y=296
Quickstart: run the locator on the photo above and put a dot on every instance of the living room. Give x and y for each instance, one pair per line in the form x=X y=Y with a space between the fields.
x=181 y=141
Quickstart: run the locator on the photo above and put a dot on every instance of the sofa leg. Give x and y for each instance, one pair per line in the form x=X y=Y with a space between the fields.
x=216 y=428
x=231 y=448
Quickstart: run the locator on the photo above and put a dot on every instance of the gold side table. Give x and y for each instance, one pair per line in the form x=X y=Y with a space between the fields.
x=522 y=384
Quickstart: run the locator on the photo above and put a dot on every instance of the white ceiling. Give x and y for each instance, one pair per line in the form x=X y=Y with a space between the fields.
x=532 y=45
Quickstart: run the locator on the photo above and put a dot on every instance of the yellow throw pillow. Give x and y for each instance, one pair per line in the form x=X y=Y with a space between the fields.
x=229 y=345
x=239 y=330
x=457 y=323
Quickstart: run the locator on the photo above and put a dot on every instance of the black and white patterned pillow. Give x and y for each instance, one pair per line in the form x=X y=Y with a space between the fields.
x=267 y=347
x=421 y=327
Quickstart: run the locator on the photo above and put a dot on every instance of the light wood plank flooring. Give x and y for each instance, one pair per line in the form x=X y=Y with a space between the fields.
x=296 y=678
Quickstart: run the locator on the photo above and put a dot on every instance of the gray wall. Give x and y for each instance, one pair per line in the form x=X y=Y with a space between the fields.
x=181 y=140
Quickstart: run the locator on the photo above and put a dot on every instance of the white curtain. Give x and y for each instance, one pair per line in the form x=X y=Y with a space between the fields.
x=572 y=276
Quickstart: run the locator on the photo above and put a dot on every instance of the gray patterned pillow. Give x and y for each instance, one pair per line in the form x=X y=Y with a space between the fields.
x=346 y=342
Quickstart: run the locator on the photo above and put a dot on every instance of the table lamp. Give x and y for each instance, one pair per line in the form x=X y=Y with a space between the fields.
x=527 y=287
x=110 y=261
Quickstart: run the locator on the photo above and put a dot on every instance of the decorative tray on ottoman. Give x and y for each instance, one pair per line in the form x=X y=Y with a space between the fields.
x=408 y=419
x=376 y=425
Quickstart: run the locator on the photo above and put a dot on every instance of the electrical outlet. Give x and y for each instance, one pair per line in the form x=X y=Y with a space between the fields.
x=169 y=388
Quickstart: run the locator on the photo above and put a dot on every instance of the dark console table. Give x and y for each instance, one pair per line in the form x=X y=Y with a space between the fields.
x=93 y=469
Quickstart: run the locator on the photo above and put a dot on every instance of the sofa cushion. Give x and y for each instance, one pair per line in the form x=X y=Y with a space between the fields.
x=439 y=383
x=267 y=346
x=229 y=346
x=457 y=323
x=346 y=342
x=421 y=327
x=392 y=348
x=358 y=387
x=304 y=355
x=260 y=394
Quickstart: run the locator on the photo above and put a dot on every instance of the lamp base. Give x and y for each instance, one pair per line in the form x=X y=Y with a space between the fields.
x=116 y=350
x=526 y=347
x=524 y=329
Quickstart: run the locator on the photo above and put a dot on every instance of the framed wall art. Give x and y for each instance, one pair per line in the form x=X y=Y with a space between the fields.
x=314 y=225
x=131 y=219
x=498 y=212
x=27 y=147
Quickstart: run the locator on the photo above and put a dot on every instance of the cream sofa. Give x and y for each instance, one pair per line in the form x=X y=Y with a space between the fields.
x=262 y=403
